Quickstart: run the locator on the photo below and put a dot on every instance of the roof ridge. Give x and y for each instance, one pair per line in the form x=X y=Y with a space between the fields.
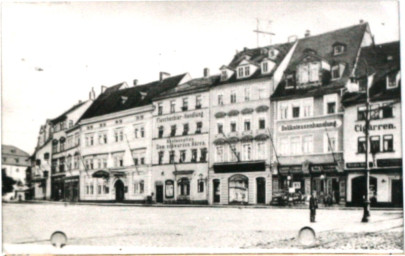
x=334 y=31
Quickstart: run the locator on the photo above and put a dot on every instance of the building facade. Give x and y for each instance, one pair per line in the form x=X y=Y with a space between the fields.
x=308 y=117
x=381 y=63
x=240 y=128
x=15 y=163
x=180 y=142
x=116 y=142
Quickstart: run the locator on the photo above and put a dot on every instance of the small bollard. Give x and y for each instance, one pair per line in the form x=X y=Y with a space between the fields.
x=58 y=239
x=306 y=236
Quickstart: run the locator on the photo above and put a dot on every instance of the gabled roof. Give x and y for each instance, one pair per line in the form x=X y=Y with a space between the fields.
x=137 y=96
x=64 y=115
x=323 y=45
x=11 y=155
x=256 y=57
x=382 y=60
x=192 y=86
x=114 y=88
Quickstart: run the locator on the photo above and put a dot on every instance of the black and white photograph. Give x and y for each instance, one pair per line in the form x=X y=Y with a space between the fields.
x=149 y=127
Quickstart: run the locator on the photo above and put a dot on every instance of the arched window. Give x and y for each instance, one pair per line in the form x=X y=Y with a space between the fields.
x=184 y=187
x=238 y=189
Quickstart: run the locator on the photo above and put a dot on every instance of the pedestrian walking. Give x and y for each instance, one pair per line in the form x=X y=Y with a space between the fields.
x=313 y=205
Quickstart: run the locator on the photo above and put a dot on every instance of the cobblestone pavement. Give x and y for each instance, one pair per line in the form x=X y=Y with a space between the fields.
x=185 y=227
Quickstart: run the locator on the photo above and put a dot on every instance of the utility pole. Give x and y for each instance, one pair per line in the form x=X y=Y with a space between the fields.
x=258 y=32
x=366 y=213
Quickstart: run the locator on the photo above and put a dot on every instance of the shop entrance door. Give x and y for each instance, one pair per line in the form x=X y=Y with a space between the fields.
x=159 y=193
x=261 y=190
x=396 y=192
x=119 y=191
x=217 y=192
x=359 y=189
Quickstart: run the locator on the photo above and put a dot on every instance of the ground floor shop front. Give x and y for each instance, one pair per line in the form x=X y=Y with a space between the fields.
x=115 y=185
x=180 y=183
x=240 y=183
x=386 y=187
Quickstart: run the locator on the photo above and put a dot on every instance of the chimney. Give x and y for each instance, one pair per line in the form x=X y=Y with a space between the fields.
x=135 y=82
x=80 y=101
x=103 y=88
x=361 y=21
x=307 y=33
x=163 y=75
x=206 y=72
x=92 y=94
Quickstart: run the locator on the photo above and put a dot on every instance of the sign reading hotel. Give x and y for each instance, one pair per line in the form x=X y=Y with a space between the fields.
x=310 y=125
x=180 y=143
x=178 y=117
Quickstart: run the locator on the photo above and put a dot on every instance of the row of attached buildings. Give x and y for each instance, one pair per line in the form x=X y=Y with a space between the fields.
x=283 y=117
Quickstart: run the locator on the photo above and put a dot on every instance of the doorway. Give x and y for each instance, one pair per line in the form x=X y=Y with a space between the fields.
x=359 y=189
x=261 y=190
x=159 y=193
x=396 y=193
x=217 y=192
x=119 y=191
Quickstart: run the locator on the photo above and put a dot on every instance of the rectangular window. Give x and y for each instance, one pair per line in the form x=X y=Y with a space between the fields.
x=247 y=71
x=331 y=141
x=335 y=72
x=314 y=72
x=387 y=110
x=262 y=124
x=220 y=154
x=265 y=67
x=233 y=97
x=331 y=107
x=185 y=129
x=185 y=104
x=142 y=160
x=289 y=81
x=160 y=109
x=160 y=157
x=173 y=130
x=142 y=132
x=233 y=126
x=375 y=144
x=338 y=49
x=198 y=102
x=361 y=113
x=303 y=74
x=220 y=128
x=261 y=150
x=247 y=94
x=374 y=112
x=171 y=157
x=99 y=189
x=247 y=125
x=295 y=145
x=182 y=156
x=194 y=155
x=160 y=135
x=119 y=135
x=220 y=99
x=240 y=72
x=296 y=112
x=262 y=93
x=361 y=145
x=199 y=128
x=136 y=161
x=104 y=162
x=247 y=152
x=307 y=144
x=284 y=149
x=203 y=156
x=172 y=106
x=307 y=110
x=283 y=111
x=392 y=81
x=388 y=143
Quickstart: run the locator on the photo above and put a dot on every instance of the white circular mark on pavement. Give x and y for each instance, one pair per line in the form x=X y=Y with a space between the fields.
x=58 y=239
x=306 y=236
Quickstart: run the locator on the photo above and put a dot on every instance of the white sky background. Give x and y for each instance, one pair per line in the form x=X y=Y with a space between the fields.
x=80 y=45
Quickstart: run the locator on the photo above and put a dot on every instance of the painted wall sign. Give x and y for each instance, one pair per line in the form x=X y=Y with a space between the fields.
x=376 y=127
x=311 y=125
x=358 y=165
x=178 y=117
x=389 y=162
x=188 y=142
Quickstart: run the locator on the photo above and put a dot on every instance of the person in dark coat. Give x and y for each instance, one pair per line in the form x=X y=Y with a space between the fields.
x=313 y=205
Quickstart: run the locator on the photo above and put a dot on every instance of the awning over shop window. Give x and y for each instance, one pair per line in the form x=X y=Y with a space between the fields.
x=285 y=170
x=101 y=174
x=219 y=141
x=233 y=113
x=256 y=166
x=185 y=172
x=220 y=115
x=246 y=138
x=262 y=137
x=233 y=140
x=262 y=108
x=246 y=111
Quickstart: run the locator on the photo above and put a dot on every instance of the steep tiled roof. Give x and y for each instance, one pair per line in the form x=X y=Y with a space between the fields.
x=12 y=155
x=119 y=100
x=321 y=47
x=381 y=60
x=192 y=86
x=256 y=55
x=63 y=116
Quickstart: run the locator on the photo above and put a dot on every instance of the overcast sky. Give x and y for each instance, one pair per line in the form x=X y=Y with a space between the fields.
x=82 y=45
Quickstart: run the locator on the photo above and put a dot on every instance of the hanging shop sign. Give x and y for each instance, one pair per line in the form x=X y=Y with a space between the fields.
x=310 y=125
x=375 y=127
x=178 y=117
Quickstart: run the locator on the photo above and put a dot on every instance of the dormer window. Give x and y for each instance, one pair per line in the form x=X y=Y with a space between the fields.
x=289 y=81
x=338 y=49
x=273 y=54
x=247 y=71
x=308 y=72
x=224 y=75
x=240 y=72
x=392 y=81
x=265 y=67
x=335 y=72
